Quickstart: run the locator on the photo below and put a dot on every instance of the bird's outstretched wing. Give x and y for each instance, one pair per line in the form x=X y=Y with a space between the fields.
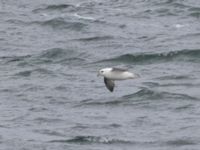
x=109 y=84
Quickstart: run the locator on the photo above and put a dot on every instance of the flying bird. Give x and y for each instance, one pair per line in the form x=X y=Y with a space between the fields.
x=112 y=74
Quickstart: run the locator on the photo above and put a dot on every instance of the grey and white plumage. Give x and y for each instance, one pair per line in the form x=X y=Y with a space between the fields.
x=112 y=74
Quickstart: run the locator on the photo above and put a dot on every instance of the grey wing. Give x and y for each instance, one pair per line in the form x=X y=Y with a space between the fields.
x=119 y=69
x=109 y=84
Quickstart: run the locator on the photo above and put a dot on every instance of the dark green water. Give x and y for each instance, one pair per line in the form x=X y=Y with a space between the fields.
x=51 y=98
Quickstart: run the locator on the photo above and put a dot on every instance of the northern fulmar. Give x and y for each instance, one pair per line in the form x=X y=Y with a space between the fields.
x=112 y=74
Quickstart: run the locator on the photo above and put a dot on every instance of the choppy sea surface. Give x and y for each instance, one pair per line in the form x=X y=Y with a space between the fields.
x=51 y=98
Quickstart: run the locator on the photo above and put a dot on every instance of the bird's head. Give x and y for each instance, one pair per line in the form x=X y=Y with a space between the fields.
x=103 y=72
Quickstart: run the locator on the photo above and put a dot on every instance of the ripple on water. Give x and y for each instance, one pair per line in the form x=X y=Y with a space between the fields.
x=183 y=55
x=194 y=12
x=63 y=56
x=49 y=56
x=60 y=23
x=181 y=142
x=95 y=38
x=49 y=132
x=141 y=96
x=38 y=71
x=147 y=94
x=94 y=139
x=59 y=7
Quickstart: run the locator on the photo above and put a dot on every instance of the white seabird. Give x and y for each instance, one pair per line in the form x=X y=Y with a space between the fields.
x=112 y=74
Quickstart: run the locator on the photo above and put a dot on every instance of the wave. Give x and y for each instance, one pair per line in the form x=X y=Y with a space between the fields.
x=150 y=58
x=195 y=14
x=174 y=77
x=40 y=71
x=181 y=142
x=54 y=7
x=9 y=59
x=61 y=23
x=55 y=23
x=94 y=139
x=106 y=102
x=144 y=94
x=17 y=22
x=55 y=53
x=175 y=8
x=84 y=17
x=52 y=55
x=59 y=55
x=95 y=38
x=147 y=94
x=107 y=140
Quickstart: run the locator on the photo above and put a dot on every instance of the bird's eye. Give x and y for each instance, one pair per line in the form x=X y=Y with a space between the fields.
x=102 y=71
